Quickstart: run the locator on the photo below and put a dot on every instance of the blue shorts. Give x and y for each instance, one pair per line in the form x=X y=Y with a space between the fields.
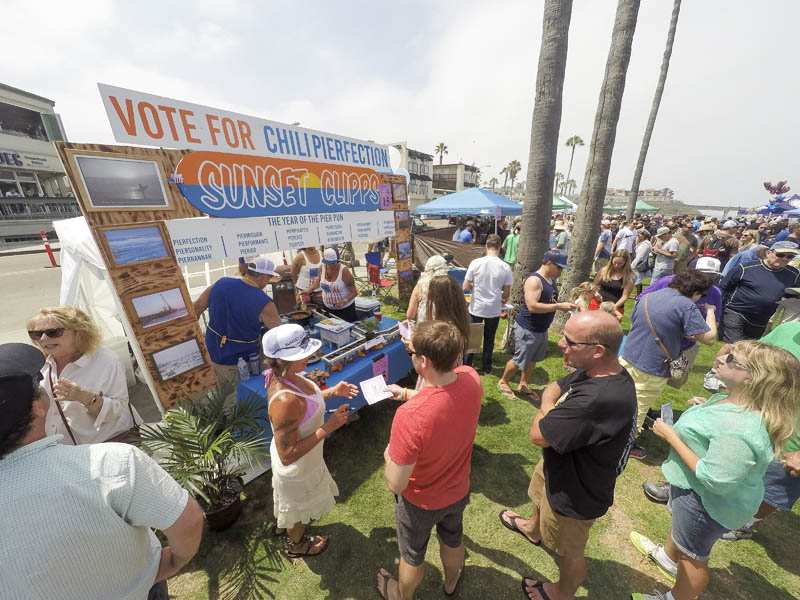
x=529 y=346
x=781 y=490
x=693 y=530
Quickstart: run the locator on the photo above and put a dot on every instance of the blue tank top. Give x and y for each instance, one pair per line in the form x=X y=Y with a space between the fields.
x=538 y=321
x=234 y=325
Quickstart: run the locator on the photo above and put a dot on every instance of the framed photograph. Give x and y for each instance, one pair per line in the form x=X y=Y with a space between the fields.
x=135 y=244
x=160 y=307
x=399 y=193
x=122 y=183
x=403 y=250
x=178 y=359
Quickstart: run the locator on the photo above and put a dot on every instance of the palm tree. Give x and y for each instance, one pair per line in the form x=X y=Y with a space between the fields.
x=595 y=180
x=441 y=150
x=573 y=142
x=505 y=179
x=571 y=185
x=558 y=179
x=493 y=182
x=543 y=149
x=651 y=120
x=513 y=169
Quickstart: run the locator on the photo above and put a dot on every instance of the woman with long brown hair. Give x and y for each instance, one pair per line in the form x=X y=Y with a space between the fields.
x=615 y=281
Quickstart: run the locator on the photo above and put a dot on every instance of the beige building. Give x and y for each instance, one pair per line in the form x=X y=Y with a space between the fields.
x=454 y=178
x=420 y=168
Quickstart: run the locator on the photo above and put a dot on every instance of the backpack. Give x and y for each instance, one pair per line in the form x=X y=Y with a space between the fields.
x=715 y=248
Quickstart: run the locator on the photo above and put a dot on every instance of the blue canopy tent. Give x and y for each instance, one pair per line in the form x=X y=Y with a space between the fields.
x=471 y=202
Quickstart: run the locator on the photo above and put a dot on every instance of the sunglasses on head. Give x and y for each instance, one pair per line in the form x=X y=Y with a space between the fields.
x=36 y=334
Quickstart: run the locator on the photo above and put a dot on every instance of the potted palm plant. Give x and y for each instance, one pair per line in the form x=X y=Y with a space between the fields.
x=206 y=446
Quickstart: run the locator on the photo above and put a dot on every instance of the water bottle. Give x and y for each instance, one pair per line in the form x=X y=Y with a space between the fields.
x=243 y=368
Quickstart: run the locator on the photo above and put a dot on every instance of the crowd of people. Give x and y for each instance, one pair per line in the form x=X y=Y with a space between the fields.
x=734 y=457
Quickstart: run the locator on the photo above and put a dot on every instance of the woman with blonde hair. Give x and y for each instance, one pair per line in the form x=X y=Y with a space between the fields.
x=86 y=382
x=615 y=281
x=719 y=454
x=417 y=305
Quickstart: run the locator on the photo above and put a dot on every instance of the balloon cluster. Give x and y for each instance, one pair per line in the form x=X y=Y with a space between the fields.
x=776 y=189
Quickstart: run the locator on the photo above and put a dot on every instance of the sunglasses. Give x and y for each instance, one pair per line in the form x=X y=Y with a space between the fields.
x=36 y=334
x=731 y=360
x=786 y=255
x=572 y=343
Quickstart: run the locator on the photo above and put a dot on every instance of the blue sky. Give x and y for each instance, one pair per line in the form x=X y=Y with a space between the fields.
x=424 y=72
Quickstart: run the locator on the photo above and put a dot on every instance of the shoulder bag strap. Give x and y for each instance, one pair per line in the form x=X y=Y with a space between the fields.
x=58 y=406
x=653 y=331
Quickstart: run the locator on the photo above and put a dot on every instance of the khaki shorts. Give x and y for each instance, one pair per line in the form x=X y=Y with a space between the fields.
x=648 y=390
x=565 y=536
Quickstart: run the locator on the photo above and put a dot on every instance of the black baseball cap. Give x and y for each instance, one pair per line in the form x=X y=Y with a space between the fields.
x=21 y=360
x=20 y=374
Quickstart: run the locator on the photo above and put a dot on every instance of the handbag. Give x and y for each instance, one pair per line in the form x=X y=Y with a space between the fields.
x=131 y=436
x=678 y=367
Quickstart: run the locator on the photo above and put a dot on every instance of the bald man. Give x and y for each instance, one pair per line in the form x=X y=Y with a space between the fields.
x=585 y=427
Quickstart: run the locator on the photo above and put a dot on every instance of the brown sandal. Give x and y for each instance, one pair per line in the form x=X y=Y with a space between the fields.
x=307 y=542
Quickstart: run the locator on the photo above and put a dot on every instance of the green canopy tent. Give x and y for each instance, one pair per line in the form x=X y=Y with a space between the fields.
x=561 y=204
x=642 y=207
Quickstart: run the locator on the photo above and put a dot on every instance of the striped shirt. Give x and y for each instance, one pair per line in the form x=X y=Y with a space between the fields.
x=76 y=521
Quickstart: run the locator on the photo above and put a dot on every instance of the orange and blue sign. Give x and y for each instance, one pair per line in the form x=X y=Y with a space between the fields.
x=237 y=185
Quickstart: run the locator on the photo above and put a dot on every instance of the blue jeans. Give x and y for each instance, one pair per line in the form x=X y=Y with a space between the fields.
x=781 y=490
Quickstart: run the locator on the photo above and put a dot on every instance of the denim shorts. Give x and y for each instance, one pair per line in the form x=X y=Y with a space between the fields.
x=529 y=346
x=781 y=490
x=693 y=530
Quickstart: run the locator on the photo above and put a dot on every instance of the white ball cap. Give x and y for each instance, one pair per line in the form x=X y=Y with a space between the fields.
x=708 y=264
x=289 y=342
x=330 y=256
x=262 y=265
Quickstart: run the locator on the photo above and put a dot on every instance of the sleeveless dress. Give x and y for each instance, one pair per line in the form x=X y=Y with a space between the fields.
x=304 y=490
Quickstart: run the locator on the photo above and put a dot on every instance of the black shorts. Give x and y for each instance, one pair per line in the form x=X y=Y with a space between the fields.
x=414 y=527
x=735 y=328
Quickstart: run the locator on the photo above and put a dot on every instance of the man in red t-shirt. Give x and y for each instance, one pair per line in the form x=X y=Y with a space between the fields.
x=429 y=456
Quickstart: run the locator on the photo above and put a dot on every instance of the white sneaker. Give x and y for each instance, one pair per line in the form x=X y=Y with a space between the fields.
x=656 y=595
x=651 y=550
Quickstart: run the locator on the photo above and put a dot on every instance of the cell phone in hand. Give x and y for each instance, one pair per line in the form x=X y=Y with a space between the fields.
x=666 y=413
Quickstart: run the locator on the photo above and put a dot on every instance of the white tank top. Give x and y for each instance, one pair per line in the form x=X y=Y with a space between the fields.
x=308 y=272
x=334 y=292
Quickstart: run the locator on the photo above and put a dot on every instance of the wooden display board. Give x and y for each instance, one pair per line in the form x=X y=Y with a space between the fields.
x=127 y=195
x=141 y=263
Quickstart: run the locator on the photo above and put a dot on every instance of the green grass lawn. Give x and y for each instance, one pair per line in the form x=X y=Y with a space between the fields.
x=247 y=562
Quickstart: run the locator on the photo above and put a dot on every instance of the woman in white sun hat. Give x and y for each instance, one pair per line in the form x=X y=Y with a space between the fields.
x=303 y=489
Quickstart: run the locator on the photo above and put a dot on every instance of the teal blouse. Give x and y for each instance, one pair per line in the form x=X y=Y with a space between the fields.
x=734 y=451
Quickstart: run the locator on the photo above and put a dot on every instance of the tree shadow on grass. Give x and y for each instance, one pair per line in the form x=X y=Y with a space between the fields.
x=778 y=536
x=503 y=478
x=743 y=583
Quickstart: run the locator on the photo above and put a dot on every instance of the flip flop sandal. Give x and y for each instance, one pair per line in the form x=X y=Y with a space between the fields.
x=309 y=542
x=457 y=586
x=513 y=527
x=383 y=587
x=537 y=585
x=506 y=390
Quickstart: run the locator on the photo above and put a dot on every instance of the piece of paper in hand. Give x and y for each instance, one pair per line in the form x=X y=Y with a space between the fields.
x=374 y=389
x=666 y=413
x=404 y=328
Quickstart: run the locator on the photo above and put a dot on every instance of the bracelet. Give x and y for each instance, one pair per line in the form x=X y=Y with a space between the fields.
x=405 y=394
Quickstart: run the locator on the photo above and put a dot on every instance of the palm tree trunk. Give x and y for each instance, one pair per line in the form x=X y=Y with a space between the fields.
x=571 y=157
x=651 y=120
x=505 y=183
x=545 y=126
x=598 y=164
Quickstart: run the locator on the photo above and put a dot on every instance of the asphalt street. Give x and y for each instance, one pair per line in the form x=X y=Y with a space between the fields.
x=27 y=283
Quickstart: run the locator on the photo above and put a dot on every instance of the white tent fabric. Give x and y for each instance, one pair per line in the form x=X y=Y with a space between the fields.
x=85 y=284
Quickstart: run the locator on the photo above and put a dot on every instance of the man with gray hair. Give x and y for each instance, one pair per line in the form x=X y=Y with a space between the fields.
x=77 y=520
x=585 y=427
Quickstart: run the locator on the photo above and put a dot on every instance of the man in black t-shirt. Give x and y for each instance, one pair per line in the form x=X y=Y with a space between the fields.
x=586 y=427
